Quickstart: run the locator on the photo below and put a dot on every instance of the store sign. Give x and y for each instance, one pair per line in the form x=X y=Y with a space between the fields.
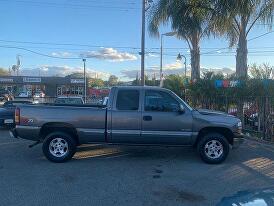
x=32 y=79
x=6 y=80
x=77 y=81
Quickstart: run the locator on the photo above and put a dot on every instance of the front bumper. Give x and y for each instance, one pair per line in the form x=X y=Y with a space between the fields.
x=238 y=140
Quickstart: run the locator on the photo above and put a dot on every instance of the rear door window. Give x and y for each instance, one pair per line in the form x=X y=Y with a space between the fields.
x=128 y=100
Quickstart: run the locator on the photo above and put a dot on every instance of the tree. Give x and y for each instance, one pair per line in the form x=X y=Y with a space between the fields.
x=3 y=72
x=113 y=80
x=96 y=82
x=175 y=83
x=190 y=19
x=236 y=18
x=264 y=71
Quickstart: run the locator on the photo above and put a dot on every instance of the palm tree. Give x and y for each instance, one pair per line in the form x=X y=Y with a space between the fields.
x=189 y=19
x=236 y=18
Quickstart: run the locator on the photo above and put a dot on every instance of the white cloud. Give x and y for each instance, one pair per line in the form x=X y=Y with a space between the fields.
x=224 y=70
x=61 y=54
x=47 y=70
x=151 y=71
x=110 y=54
x=172 y=68
x=150 y=55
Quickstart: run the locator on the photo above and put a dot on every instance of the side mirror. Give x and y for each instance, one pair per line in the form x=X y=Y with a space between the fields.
x=181 y=109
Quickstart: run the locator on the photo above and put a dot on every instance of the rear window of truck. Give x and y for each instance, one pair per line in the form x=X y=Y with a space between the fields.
x=128 y=100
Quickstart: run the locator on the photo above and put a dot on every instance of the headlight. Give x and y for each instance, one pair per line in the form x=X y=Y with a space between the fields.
x=239 y=127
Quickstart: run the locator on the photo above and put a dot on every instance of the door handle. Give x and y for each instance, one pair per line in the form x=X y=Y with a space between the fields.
x=147 y=118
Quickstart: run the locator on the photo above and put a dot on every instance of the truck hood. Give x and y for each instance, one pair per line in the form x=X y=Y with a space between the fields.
x=213 y=112
x=215 y=117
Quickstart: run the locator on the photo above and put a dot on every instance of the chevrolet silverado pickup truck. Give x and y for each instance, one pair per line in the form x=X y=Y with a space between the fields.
x=133 y=116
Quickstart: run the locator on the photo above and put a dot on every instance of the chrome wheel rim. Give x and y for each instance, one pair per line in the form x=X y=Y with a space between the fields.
x=58 y=147
x=214 y=149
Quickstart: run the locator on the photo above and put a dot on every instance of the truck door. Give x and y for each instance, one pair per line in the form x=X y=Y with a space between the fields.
x=126 y=116
x=163 y=122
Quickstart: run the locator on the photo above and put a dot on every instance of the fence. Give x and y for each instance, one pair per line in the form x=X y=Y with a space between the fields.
x=256 y=113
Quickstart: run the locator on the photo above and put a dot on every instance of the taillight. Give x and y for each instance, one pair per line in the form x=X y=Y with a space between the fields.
x=17 y=116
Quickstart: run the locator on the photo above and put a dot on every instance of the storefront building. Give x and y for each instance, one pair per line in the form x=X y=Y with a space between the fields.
x=50 y=86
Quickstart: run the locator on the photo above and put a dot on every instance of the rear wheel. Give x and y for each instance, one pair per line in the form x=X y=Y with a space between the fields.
x=59 y=147
x=213 y=148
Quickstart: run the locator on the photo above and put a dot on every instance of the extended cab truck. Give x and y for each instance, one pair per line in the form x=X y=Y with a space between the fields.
x=133 y=116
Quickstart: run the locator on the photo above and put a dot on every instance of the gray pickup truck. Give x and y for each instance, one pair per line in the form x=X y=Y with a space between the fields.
x=132 y=116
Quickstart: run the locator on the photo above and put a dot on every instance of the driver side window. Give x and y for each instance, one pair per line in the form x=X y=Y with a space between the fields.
x=160 y=101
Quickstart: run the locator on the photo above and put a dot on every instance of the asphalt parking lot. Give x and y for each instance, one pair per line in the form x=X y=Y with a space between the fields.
x=113 y=175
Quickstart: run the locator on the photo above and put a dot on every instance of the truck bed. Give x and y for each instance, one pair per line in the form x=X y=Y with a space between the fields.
x=80 y=116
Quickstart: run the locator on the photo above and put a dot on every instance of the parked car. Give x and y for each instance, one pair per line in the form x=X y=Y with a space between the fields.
x=133 y=116
x=6 y=95
x=69 y=100
x=7 y=112
x=39 y=95
x=24 y=94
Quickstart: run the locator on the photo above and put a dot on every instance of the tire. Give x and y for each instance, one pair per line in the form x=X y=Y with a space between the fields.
x=213 y=148
x=59 y=147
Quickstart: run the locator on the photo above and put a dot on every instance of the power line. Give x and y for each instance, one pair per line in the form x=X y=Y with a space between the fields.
x=247 y=40
x=38 y=53
x=165 y=54
x=215 y=49
x=260 y=36
x=68 y=44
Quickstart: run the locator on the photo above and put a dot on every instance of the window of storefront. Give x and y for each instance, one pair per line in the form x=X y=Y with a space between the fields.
x=70 y=90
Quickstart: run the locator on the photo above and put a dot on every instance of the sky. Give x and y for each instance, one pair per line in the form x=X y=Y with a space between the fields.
x=108 y=34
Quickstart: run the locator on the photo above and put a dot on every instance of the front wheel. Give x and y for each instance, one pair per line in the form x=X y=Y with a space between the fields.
x=59 y=147
x=213 y=148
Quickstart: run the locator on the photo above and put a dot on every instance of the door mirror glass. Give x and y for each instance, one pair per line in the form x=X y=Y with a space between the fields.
x=181 y=109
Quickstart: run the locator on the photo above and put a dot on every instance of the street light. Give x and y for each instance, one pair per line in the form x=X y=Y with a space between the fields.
x=85 y=82
x=161 y=59
x=179 y=58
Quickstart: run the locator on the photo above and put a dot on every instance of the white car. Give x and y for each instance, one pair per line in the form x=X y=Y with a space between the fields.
x=24 y=94
x=39 y=95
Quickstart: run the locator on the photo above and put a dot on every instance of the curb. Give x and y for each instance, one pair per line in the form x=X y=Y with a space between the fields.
x=258 y=140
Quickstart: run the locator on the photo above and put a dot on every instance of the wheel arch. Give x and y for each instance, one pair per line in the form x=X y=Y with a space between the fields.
x=67 y=128
x=228 y=134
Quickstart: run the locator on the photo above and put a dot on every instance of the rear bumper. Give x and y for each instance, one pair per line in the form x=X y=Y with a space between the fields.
x=26 y=132
x=13 y=133
x=238 y=140
x=4 y=124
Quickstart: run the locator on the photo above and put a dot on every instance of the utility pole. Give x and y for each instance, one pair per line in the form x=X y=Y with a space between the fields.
x=161 y=63
x=143 y=43
x=85 y=82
